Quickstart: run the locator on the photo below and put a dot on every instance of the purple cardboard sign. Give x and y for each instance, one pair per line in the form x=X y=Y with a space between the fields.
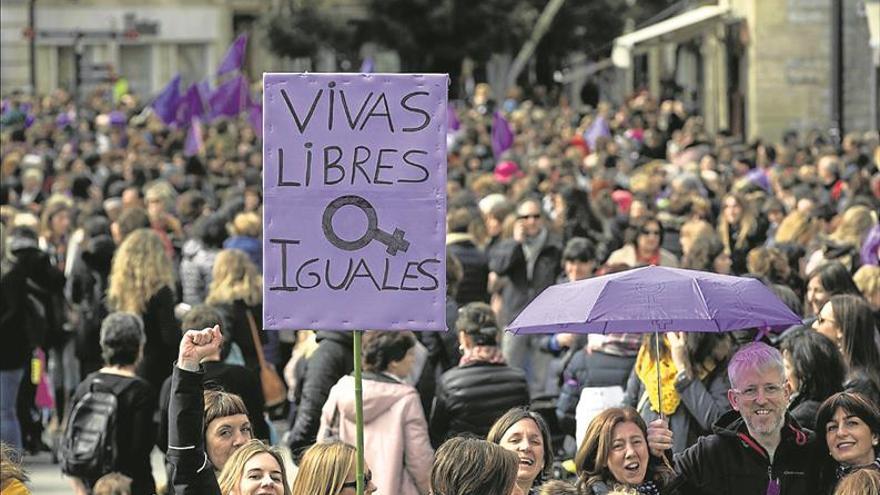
x=354 y=190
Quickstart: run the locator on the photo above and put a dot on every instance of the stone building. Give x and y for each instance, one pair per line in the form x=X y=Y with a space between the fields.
x=758 y=67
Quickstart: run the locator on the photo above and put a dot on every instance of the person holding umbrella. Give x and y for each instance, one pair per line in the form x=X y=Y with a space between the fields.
x=694 y=383
x=757 y=447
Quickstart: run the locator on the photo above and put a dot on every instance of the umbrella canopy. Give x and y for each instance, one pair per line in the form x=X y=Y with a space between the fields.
x=655 y=299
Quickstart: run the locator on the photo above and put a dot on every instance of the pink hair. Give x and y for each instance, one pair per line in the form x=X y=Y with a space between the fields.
x=756 y=356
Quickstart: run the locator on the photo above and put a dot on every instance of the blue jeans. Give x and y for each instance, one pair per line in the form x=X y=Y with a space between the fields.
x=10 y=430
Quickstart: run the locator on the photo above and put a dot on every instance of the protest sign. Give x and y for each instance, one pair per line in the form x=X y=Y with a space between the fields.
x=354 y=185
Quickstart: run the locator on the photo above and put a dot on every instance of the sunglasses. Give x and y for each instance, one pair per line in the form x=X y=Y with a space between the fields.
x=353 y=484
x=526 y=217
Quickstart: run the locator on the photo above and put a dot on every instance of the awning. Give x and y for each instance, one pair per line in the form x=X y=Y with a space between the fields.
x=872 y=11
x=623 y=45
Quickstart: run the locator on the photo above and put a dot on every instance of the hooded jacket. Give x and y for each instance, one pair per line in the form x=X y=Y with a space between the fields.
x=731 y=462
x=196 y=267
x=397 y=447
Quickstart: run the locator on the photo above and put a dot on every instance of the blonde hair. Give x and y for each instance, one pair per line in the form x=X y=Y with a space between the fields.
x=10 y=467
x=247 y=223
x=867 y=279
x=795 y=227
x=233 y=470
x=235 y=277
x=855 y=222
x=860 y=482
x=140 y=269
x=324 y=468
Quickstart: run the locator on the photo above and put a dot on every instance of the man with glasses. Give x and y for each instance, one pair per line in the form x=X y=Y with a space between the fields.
x=523 y=267
x=757 y=448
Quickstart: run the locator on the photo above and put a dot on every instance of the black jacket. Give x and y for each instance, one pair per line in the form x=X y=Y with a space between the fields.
x=507 y=259
x=230 y=378
x=134 y=427
x=191 y=471
x=331 y=361
x=163 y=338
x=595 y=369
x=27 y=268
x=804 y=411
x=475 y=269
x=470 y=398
x=87 y=289
x=730 y=462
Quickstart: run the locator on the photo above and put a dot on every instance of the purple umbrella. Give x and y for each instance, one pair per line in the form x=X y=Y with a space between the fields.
x=655 y=299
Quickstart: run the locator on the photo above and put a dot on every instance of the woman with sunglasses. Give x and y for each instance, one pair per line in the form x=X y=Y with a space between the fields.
x=643 y=247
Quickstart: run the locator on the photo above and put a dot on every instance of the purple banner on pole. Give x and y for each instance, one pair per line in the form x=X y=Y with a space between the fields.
x=354 y=186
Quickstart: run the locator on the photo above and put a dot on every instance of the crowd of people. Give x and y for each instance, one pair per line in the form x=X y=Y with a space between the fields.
x=132 y=319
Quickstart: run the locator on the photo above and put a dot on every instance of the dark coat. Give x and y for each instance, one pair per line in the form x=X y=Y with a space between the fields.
x=331 y=361
x=507 y=259
x=730 y=462
x=470 y=398
x=87 y=288
x=191 y=471
x=804 y=410
x=134 y=428
x=17 y=317
x=230 y=378
x=475 y=269
x=163 y=339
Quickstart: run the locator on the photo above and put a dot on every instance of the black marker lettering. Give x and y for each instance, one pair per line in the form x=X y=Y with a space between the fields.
x=356 y=164
x=328 y=164
x=284 y=243
x=354 y=124
x=424 y=170
x=344 y=279
x=387 y=114
x=308 y=163
x=317 y=277
x=357 y=274
x=281 y=181
x=385 y=285
x=406 y=275
x=332 y=99
x=420 y=111
x=429 y=274
x=301 y=125
x=380 y=167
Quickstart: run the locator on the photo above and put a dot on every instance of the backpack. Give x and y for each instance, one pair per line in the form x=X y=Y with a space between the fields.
x=89 y=449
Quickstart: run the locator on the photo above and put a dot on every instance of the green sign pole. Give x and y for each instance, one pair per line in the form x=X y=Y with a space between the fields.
x=359 y=412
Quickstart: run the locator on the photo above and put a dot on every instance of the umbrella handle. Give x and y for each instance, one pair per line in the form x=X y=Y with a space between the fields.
x=659 y=381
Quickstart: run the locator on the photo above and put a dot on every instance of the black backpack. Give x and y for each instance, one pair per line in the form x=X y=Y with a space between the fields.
x=89 y=449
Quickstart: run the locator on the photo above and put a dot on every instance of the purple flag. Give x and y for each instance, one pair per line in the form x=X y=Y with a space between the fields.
x=452 y=122
x=599 y=128
x=192 y=105
x=230 y=98
x=354 y=247
x=166 y=103
x=193 y=144
x=255 y=117
x=502 y=136
x=367 y=66
x=234 y=56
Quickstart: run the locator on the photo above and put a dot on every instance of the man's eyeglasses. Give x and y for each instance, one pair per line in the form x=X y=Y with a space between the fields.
x=770 y=392
x=526 y=217
x=353 y=484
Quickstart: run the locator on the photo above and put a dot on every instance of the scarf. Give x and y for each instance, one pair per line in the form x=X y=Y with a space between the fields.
x=482 y=354
x=845 y=470
x=531 y=249
x=648 y=488
x=646 y=369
